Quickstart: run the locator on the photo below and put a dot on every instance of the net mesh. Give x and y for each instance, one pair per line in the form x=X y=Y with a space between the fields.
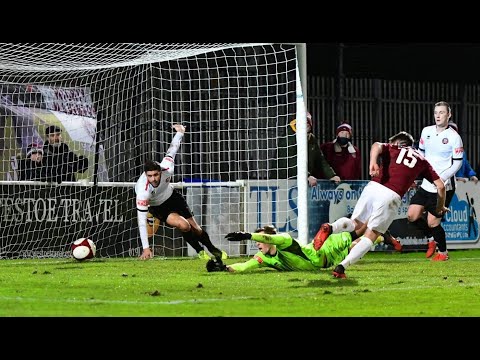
x=114 y=105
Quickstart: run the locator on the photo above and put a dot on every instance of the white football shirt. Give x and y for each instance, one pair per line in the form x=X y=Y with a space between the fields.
x=154 y=196
x=147 y=195
x=441 y=149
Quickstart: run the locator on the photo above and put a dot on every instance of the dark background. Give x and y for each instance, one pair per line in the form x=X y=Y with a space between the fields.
x=397 y=61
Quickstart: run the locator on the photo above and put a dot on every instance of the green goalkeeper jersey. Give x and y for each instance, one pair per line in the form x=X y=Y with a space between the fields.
x=291 y=256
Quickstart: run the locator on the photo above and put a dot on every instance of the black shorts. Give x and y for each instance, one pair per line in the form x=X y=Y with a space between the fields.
x=429 y=200
x=176 y=203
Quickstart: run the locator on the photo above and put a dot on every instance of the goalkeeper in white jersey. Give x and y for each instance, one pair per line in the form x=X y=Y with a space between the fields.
x=156 y=196
x=442 y=146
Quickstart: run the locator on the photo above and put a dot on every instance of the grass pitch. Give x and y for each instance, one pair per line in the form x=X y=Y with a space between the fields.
x=379 y=285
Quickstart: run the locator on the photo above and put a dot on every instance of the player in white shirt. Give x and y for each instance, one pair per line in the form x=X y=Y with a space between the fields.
x=443 y=148
x=156 y=195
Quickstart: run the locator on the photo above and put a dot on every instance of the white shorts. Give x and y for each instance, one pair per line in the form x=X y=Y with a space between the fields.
x=377 y=204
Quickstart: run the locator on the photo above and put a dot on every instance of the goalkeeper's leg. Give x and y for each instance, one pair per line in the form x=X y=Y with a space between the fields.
x=337 y=247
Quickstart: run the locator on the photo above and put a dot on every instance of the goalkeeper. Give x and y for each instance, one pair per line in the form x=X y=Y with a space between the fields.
x=284 y=253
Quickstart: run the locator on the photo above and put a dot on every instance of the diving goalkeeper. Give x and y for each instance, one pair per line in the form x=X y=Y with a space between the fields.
x=282 y=252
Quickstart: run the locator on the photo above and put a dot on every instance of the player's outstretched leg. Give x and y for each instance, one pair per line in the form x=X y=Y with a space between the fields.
x=344 y=224
x=339 y=272
x=389 y=239
x=322 y=235
x=356 y=253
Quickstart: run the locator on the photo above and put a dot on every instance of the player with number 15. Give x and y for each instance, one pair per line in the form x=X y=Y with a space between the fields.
x=394 y=166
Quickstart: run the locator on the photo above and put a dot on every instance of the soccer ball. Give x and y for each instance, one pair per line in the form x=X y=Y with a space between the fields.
x=83 y=249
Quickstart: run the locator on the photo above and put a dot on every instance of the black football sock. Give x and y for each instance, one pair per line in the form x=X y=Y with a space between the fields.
x=205 y=240
x=354 y=235
x=387 y=238
x=439 y=235
x=192 y=241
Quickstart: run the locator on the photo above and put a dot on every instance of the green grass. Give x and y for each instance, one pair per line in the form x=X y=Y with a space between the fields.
x=381 y=284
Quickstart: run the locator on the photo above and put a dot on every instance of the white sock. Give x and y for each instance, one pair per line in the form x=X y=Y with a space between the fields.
x=343 y=224
x=357 y=252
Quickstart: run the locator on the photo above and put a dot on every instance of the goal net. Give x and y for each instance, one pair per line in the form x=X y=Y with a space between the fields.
x=113 y=106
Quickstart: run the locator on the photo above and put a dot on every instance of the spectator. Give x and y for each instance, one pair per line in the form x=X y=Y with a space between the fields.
x=343 y=157
x=32 y=167
x=58 y=156
x=346 y=161
x=318 y=167
x=466 y=172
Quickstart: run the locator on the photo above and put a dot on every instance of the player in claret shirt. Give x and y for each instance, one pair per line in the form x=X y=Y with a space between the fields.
x=393 y=166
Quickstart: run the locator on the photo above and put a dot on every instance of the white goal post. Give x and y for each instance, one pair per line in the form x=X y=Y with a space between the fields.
x=114 y=106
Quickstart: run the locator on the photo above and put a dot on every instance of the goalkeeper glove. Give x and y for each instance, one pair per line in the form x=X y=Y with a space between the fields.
x=216 y=265
x=238 y=236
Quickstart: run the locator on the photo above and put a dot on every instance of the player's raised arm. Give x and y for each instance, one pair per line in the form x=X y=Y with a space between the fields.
x=168 y=162
x=179 y=128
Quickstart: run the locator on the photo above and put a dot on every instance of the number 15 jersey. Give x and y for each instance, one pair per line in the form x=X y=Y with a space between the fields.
x=400 y=166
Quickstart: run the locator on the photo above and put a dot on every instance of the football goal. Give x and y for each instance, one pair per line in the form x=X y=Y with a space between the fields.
x=109 y=107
